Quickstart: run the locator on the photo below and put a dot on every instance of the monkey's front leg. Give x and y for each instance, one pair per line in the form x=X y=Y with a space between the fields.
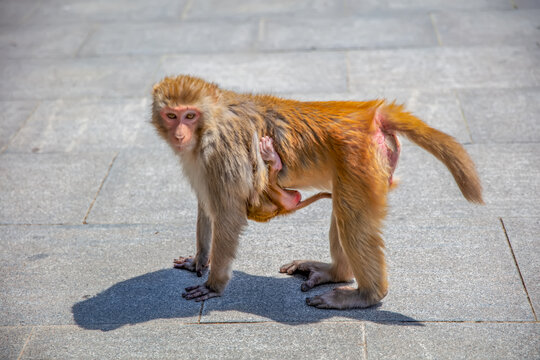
x=225 y=234
x=204 y=235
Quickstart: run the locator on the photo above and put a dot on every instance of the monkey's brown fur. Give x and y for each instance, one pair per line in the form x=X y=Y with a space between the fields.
x=333 y=146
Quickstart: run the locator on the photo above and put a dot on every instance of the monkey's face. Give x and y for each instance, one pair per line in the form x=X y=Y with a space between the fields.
x=180 y=123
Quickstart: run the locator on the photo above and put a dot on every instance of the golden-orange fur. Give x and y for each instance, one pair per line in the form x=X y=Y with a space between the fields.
x=326 y=145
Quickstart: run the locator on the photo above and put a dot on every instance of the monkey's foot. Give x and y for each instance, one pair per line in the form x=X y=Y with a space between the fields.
x=191 y=264
x=269 y=154
x=199 y=293
x=317 y=273
x=342 y=298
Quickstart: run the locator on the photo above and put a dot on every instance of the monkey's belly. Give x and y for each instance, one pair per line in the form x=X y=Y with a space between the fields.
x=311 y=179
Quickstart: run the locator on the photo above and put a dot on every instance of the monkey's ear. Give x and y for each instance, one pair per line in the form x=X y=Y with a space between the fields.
x=155 y=87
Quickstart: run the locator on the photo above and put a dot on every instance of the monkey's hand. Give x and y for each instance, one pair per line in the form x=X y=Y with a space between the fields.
x=269 y=154
x=199 y=293
x=191 y=263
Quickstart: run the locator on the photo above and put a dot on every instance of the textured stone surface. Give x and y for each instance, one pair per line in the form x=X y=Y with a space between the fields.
x=13 y=115
x=16 y=12
x=240 y=341
x=236 y=8
x=502 y=115
x=169 y=38
x=12 y=340
x=360 y=7
x=100 y=278
x=453 y=341
x=523 y=235
x=75 y=78
x=287 y=72
x=62 y=11
x=509 y=27
x=145 y=187
x=349 y=32
x=449 y=270
x=37 y=41
x=77 y=126
x=456 y=67
x=508 y=173
x=49 y=188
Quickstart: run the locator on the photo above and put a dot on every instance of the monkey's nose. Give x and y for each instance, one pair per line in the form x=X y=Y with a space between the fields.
x=180 y=137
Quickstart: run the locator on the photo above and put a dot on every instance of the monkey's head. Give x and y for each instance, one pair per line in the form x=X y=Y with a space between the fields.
x=180 y=107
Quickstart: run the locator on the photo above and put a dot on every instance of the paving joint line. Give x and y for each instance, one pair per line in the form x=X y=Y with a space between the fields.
x=93 y=30
x=4 y=148
x=26 y=342
x=364 y=341
x=437 y=34
x=200 y=312
x=462 y=112
x=348 y=72
x=186 y=9
x=386 y=322
x=99 y=189
x=518 y=269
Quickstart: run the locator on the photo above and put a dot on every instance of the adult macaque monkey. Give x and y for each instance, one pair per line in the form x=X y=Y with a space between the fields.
x=347 y=148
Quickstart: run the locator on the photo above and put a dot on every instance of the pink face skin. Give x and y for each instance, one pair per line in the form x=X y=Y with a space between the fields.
x=180 y=122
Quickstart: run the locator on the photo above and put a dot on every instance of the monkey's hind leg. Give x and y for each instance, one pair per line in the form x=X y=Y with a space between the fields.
x=358 y=228
x=321 y=273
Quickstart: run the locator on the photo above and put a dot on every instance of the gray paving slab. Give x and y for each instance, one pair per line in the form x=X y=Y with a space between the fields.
x=445 y=67
x=238 y=8
x=169 y=340
x=509 y=115
x=16 y=12
x=350 y=32
x=438 y=108
x=523 y=235
x=527 y=4
x=87 y=125
x=49 y=188
x=44 y=79
x=274 y=73
x=508 y=173
x=453 y=341
x=66 y=11
x=13 y=115
x=145 y=187
x=38 y=41
x=12 y=340
x=508 y=27
x=172 y=38
x=99 y=278
x=439 y=270
x=361 y=7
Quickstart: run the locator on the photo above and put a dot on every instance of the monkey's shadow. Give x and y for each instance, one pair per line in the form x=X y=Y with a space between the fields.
x=157 y=295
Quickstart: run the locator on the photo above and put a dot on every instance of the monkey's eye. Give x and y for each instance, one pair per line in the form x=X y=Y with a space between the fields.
x=171 y=116
x=190 y=116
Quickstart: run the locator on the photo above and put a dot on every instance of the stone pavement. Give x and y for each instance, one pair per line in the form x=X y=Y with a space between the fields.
x=93 y=207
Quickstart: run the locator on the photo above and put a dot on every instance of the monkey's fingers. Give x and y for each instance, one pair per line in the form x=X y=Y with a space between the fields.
x=295 y=266
x=185 y=263
x=199 y=293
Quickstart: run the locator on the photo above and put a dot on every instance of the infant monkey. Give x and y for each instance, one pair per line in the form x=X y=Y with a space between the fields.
x=280 y=201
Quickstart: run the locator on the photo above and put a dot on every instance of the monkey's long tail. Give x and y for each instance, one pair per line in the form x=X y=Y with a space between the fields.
x=442 y=146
